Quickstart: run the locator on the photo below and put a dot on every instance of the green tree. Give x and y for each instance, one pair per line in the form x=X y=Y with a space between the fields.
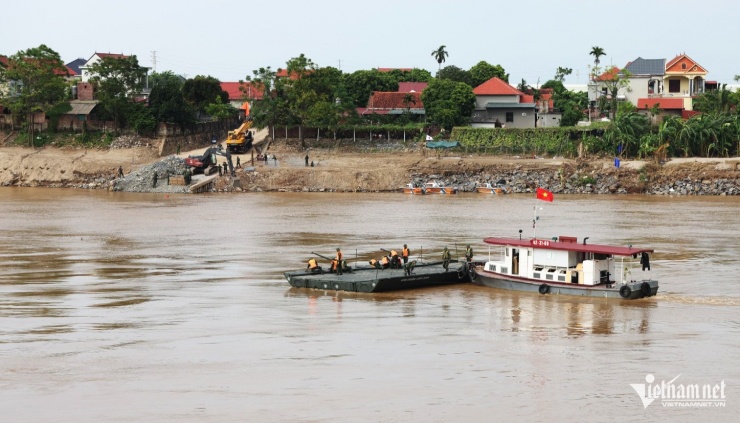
x=118 y=80
x=415 y=75
x=614 y=80
x=141 y=118
x=483 y=71
x=220 y=110
x=202 y=91
x=626 y=130
x=448 y=103
x=453 y=73
x=362 y=83
x=166 y=101
x=561 y=73
x=440 y=55
x=716 y=101
x=597 y=52
x=571 y=115
x=38 y=72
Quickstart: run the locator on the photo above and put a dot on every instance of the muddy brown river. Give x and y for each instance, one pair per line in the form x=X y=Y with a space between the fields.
x=122 y=307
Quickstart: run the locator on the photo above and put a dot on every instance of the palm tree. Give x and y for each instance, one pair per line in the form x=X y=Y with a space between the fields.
x=597 y=52
x=439 y=55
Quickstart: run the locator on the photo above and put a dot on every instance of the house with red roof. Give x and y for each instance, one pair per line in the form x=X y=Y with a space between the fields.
x=412 y=87
x=393 y=103
x=668 y=85
x=242 y=95
x=498 y=104
x=95 y=58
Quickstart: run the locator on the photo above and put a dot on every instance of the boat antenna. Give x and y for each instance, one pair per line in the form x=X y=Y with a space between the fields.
x=584 y=240
x=520 y=234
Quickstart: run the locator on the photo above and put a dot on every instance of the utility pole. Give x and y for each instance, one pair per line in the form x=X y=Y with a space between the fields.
x=154 y=60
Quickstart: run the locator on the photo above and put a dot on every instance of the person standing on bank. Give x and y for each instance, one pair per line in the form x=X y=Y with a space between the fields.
x=469 y=254
x=339 y=261
x=120 y=172
x=306 y=160
x=405 y=254
x=154 y=180
x=446 y=257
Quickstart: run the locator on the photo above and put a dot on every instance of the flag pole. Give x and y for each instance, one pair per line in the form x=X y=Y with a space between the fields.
x=534 y=224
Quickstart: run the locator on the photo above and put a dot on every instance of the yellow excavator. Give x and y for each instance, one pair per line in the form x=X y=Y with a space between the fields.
x=239 y=141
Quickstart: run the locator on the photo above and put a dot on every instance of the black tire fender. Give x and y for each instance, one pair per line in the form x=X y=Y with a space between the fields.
x=645 y=289
x=625 y=291
x=544 y=288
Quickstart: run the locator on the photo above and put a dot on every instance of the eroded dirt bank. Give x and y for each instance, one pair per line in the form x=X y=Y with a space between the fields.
x=357 y=169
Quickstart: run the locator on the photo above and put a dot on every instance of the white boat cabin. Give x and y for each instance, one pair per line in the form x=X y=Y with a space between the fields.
x=562 y=260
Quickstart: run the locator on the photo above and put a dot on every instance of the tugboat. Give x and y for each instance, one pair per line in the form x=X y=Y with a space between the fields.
x=563 y=266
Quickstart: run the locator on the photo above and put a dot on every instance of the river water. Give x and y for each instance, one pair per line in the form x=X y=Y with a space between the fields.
x=119 y=307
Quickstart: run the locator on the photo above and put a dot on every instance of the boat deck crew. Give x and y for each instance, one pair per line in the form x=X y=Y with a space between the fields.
x=446 y=258
x=405 y=254
x=313 y=266
x=338 y=260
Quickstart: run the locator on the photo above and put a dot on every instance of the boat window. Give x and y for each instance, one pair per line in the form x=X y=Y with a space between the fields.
x=561 y=278
x=550 y=269
x=504 y=269
x=537 y=275
x=548 y=277
x=562 y=271
x=538 y=268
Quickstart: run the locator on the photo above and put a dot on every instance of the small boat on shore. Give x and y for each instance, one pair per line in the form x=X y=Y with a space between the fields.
x=488 y=188
x=413 y=188
x=438 y=188
x=371 y=279
x=563 y=266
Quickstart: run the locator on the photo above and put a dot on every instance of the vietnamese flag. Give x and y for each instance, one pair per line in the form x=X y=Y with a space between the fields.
x=544 y=195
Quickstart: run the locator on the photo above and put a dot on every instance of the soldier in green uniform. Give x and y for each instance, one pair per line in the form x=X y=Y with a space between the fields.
x=446 y=258
x=469 y=254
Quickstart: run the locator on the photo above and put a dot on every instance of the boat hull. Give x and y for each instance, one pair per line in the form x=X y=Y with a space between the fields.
x=367 y=279
x=442 y=191
x=416 y=191
x=634 y=290
x=493 y=191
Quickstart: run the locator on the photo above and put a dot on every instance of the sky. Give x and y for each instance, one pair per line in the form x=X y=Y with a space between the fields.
x=228 y=39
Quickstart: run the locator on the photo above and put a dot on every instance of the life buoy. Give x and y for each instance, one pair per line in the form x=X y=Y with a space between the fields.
x=544 y=288
x=625 y=291
x=645 y=289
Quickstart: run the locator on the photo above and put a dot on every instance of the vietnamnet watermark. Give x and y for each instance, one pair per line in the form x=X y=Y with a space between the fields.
x=671 y=394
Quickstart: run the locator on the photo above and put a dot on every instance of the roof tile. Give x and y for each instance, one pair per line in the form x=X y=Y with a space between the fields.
x=496 y=86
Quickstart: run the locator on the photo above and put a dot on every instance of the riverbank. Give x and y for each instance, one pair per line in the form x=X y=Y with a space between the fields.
x=374 y=168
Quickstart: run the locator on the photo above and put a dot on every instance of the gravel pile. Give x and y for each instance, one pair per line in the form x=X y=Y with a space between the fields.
x=142 y=180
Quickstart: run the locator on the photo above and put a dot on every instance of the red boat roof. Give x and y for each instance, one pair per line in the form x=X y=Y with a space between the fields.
x=546 y=244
